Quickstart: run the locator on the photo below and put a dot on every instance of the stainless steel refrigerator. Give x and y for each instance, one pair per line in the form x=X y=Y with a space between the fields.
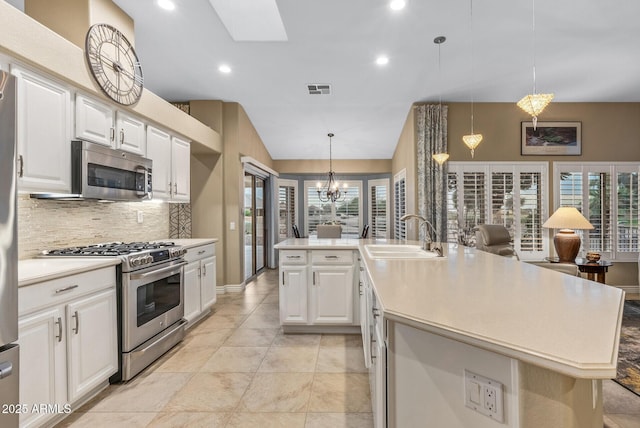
x=9 y=357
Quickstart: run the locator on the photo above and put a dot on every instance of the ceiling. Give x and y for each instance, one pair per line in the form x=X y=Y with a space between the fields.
x=586 y=50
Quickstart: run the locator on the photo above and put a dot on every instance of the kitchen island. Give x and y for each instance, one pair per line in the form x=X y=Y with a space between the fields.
x=547 y=339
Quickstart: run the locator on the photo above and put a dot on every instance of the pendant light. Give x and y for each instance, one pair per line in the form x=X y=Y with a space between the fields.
x=472 y=140
x=440 y=158
x=331 y=192
x=535 y=103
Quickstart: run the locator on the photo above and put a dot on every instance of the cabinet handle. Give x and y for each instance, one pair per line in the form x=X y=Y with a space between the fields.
x=21 y=168
x=75 y=315
x=199 y=272
x=59 y=335
x=361 y=269
x=170 y=189
x=204 y=271
x=360 y=286
x=112 y=134
x=122 y=136
x=314 y=278
x=376 y=312
x=293 y=257
x=63 y=289
x=201 y=251
x=330 y=257
x=282 y=278
x=175 y=189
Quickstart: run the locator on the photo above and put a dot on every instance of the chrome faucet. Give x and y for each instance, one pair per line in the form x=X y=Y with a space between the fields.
x=429 y=243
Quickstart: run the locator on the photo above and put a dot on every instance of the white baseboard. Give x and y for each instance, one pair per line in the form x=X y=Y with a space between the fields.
x=230 y=288
x=631 y=289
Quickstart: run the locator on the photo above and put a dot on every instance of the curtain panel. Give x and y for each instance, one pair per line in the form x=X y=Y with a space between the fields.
x=431 y=120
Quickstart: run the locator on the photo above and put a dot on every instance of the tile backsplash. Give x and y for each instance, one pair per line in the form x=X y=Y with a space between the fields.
x=48 y=224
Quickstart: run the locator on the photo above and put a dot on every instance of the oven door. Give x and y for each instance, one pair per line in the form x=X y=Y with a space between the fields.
x=152 y=300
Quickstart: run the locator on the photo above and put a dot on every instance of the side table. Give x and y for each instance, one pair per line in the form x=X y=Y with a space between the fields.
x=595 y=270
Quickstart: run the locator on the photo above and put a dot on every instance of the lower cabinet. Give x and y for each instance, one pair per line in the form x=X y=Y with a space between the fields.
x=67 y=331
x=199 y=282
x=317 y=288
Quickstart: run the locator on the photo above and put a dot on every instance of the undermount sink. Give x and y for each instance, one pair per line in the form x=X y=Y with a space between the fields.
x=382 y=251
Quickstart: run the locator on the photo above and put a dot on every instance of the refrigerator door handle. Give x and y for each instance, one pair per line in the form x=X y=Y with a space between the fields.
x=6 y=368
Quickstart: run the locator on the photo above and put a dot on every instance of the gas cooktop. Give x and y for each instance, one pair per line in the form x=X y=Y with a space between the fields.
x=109 y=249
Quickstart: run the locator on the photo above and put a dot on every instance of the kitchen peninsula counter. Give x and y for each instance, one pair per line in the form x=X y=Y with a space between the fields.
x=559 y=322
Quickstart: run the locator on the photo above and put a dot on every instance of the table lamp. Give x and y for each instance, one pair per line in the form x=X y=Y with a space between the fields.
x=566 y=241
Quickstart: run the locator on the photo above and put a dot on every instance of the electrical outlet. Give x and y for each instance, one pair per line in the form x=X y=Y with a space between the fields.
x=140 y=216
x=484 y=395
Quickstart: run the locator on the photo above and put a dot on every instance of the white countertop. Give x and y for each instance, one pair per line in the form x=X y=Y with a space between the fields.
x=561 y=322
x=318 y=244
x=194 y=242
x=32 y=271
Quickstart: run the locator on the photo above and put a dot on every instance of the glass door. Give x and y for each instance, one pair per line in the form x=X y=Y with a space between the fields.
x=254 y=225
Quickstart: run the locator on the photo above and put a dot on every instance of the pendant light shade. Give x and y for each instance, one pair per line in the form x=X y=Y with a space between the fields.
x=441 y=158
x=472 y=141
x=535 y=103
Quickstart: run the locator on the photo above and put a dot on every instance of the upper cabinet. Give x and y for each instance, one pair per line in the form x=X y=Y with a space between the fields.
x=171 y=166
x=130 y=134
x=95 y=121
x=181 y=169
x=43 y=133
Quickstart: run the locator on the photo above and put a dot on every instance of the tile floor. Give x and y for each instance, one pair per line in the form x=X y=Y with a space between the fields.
x=236 y=369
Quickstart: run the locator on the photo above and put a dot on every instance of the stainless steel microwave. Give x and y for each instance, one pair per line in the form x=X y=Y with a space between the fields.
x=100 y=172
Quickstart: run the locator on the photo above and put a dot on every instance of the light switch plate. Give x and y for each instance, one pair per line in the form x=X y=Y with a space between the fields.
x=484 y=395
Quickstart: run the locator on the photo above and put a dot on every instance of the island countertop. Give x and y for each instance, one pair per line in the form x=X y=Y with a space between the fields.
x=557 y=321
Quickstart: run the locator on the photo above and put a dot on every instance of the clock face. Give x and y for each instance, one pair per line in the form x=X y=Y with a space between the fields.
x=114 y=64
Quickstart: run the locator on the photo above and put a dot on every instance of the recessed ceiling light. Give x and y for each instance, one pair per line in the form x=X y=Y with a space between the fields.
x=397 y=4
x=166 y=4
x=224 y=69
x=382 y=60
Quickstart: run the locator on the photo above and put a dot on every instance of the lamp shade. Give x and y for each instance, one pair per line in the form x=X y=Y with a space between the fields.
x=567 y=218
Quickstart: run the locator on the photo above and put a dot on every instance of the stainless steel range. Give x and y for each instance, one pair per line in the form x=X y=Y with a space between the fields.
x=150 y=299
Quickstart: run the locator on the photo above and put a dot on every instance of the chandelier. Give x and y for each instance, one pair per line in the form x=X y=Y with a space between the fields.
x=331 y=192
x=535 y=103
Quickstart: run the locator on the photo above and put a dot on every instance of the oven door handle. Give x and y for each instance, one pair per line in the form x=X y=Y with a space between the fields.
x=172 y=270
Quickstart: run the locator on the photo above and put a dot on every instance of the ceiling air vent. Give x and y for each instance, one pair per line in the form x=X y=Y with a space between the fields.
x=319 y=89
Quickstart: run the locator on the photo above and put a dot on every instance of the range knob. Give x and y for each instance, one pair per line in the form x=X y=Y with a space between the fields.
x=148 y=259
x=134 y=261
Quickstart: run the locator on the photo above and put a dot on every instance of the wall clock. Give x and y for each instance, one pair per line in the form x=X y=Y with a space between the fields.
x=114 y=64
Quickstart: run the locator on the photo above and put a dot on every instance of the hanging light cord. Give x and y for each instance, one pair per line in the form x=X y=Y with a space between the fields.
x=533 y=14
x=472 y=73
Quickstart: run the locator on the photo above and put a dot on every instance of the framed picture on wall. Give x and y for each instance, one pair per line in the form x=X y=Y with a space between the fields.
x=552 y=139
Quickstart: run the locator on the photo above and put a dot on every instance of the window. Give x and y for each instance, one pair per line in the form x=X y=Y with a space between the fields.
x=607 y=195
x=287 y=198
x=378 y=208
x=347 y=213
x=399 y=204
x=510 y=194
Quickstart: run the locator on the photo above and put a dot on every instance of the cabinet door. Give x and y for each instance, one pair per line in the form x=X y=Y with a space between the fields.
x=159 y=150
x=207 y=283
x=192 y=290
x=43 y=134
x=181 y=169
x=293 y=295
x=379 y=389
x=95 y=121
x=131 y=134
x=43 y=376
x=92 y=342
x=332 y=295
x=364 y=319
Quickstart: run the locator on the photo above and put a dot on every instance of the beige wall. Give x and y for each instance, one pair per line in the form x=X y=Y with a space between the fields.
x=340 y=166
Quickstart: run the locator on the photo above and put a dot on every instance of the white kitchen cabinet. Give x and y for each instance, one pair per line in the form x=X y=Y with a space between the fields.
x=130 y=134
x=199 y=282
x=43 y=133
x=91 y=342
x=332 y=295
x=378 y=366
x=364 y=290
x=67 y=331
x=43 y=363
x=181 y=169
x=317 y=290
x=171 y=165
x=95 y=121
x=293 y=295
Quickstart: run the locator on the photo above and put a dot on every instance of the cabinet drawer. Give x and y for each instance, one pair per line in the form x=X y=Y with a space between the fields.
x=201 y=252
x=295 y=257
x=331 y=257
x=56 y=291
